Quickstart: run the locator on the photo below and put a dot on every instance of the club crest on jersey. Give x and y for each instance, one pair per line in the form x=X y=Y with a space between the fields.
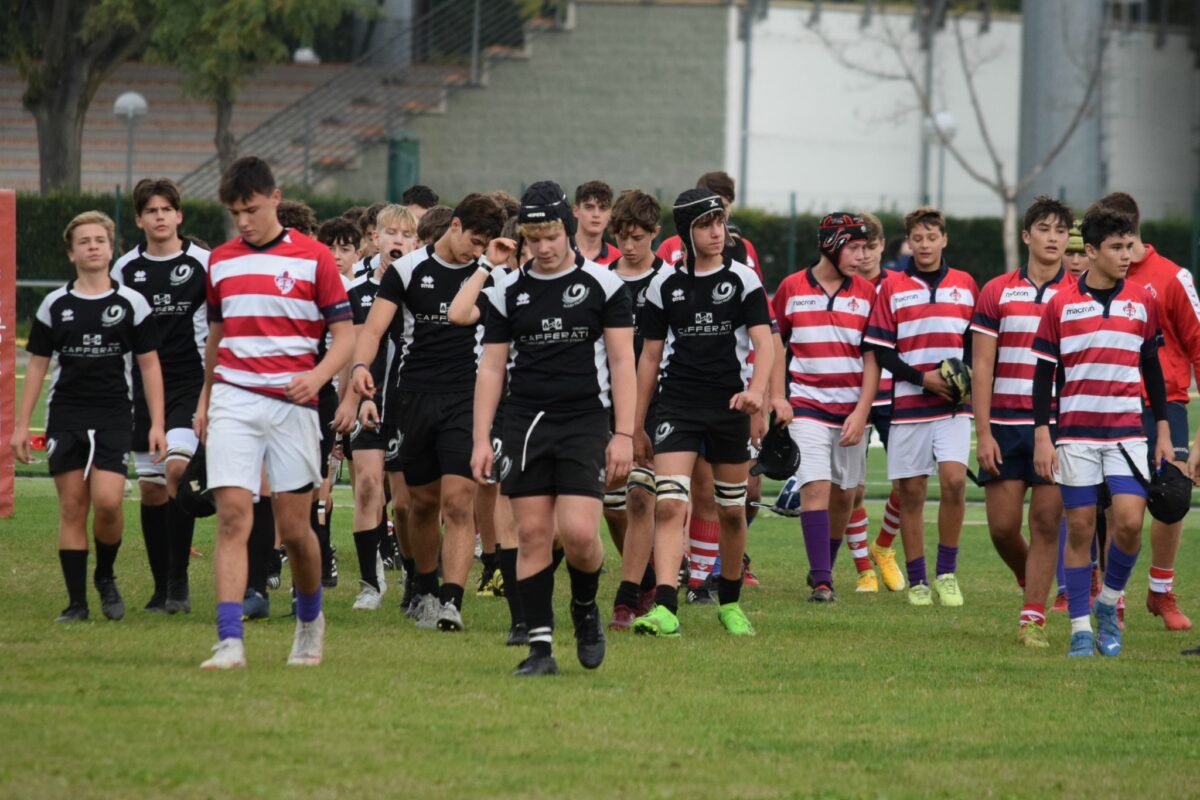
x=68 y=315
x=523 y=299
x=664 y=430
x=181 y=274
x=955 y=295
x=574 y=294
x=552 y=324
x=284 y=282
x=427 y=282
x=112 y=315
x=1129 y=309
x=1153 y=292
x=722 y=292
x=852 y=306
x=139 y=276
x=393 y=447
x=641 y=298
x=704 y=318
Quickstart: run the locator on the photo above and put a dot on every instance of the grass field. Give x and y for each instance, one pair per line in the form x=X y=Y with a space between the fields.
x=868 y=697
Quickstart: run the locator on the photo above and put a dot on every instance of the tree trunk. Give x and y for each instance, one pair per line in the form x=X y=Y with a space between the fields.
x=1012 y=251
x=59 y=118
x=224 y=139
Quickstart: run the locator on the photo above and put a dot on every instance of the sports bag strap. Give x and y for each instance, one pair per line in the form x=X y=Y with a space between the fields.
x=1133 y=467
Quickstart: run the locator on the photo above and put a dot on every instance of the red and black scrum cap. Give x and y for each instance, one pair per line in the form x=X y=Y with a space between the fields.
x=837 y=230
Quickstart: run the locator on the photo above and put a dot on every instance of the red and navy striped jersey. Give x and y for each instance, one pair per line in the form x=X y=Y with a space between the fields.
x=1010 y=308
x=924 y=317
x=1100 y=347
x=823 y=334
x=883 y=396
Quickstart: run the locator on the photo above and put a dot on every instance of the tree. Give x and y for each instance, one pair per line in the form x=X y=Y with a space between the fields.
x=64 y=50
x=219 y=43
x=930 y=15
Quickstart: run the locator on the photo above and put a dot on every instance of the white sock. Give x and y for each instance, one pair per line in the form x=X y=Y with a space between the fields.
x=1108 y=595
x=1081 y=624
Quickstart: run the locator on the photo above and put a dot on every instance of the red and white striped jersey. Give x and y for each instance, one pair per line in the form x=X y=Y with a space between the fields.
x=1010 y=308
x=824 y=339
x=883 y=397
x=273 y=303
x=924 y=317
x=1100 y=347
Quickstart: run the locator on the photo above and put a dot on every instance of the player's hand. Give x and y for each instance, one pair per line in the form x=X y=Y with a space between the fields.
x=22 y=447
x=339 y=452
x=758 y=429
x=643 y=449
x=852 y=430
x=500 y=250
x=1164 y=451
x=481 y=462
x=345 y=416
x=1045 y=457
x=934 y=383
x=782 y=410
x=362 y=381
x=748 y=402
x=617 y=458
x=303 y=388
x=368 y=415
x=200 y=419
x=1193 y=464
x=987 y=450
x=158 y=444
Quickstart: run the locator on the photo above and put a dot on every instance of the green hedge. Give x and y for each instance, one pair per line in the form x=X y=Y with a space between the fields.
x=974 y=243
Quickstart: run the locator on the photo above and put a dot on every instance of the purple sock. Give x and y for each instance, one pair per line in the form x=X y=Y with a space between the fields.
x=1079 y=591
x=1061 y=573
x=947 y=560
x=834 y=546
x=815 y=525
x=916 y=571
x=229 y=621
x=308 y=606
x=1120 y=565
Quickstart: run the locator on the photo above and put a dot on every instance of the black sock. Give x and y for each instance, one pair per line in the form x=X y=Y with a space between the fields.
x=667 y=596
x=156 y=534
x=74 y=570
x=427 y=582
x=262 y=542
x=181 y=527
x=584 y=585
x=628 y=594
x=320 y=528
x=557 y=558
x=648 y=579
x=410 y=567
x=537 y=600
x=106 y=556
x=366 y=546
x=451 y=593
x=489 y=562
x=506 y=558
x=728 y=591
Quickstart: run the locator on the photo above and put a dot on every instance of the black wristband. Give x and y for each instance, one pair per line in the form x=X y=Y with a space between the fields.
x=356 y=366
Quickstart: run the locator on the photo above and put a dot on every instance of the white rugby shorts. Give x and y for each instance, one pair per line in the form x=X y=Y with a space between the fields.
x=248 y=431
x=916 y=448
x=823 y=459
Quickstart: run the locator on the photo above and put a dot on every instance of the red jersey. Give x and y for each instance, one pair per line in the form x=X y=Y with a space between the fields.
x=274 y=303
x=1010 y=308
x=1100 y=347
x=671 y=252
x=1178 y=307
x=824 y=342
x=924 y=317
x=883 y=397
x=607 y=255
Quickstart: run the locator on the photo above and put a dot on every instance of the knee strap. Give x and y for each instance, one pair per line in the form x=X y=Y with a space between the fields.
x=641 y=478
x=614 y=499
x=729 y=494
x=673 y=487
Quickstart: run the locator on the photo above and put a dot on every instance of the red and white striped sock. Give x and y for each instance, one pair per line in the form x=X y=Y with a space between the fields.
x=856 y=539
x=703 y=545
x=1033 y=614
x=1161 y=579
x=891 y=521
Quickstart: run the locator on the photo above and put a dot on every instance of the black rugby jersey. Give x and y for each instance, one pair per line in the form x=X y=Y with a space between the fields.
x=174 y=286
x=94 y=338
x=365 y=266
x=704 y=320
x=362 y=296
x=636 y=286
x=555 y=323
x=433 y=355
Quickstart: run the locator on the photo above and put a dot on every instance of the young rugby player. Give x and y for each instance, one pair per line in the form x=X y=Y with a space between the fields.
x=564 y=328
x=343 y=238
x=169 y=273
x=418 y=199
x=1075 y=260
x=272 y=293
x=593 y=210
x=1007 y=315
x=368 y=251
x=1103 y=336
x=721 y=184
x=709 y=308
x=919 y=321
x=822 y=312
x=93 y=325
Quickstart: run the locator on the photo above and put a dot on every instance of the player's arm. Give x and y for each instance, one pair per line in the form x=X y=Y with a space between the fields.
x=647 y=385
x=779 y=384
x=464 y=308
x=366 y=347
x=152 y=383
x=1156 y=393
x=489 y=383
x=35 y=374
x=212 y=347
x=1045 y=458
x=348 y=404
x=1185 y=317
x=982 y=374
x=304 y=388
x=750 y=401
x=618 y=343
x=856 y=424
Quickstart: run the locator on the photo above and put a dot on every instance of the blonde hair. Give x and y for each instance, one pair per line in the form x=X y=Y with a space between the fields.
x=90 y=218
x=874 y=227
x=398 y=214
x=538 y=230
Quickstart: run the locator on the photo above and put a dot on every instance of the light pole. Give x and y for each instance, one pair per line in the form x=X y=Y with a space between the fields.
x=944 y=122
x=130 y=106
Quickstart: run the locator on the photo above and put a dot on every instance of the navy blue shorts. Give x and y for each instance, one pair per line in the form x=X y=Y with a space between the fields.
x=1016 y=451
x=880 y=418
x=1177 y=419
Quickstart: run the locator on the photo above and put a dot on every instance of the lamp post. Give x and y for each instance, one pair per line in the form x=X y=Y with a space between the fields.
x=944 y=122
x=130 y=106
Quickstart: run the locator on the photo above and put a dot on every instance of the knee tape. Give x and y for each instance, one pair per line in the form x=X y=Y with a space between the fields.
x=641 y=478
x=673 y=487
x=729 y=494
x=614 y=499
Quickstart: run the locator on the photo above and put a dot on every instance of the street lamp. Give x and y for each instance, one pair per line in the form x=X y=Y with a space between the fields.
x=130 y=106
x=944 y=122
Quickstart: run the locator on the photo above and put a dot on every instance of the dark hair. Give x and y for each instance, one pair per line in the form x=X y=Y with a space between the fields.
x=354 y=214
x=196 y=240
x=369 y=217
x=1044 y=207
x=339 y=230
x=479 y=213
x=599 y=191
x=419 y=195
x=155 y=187
x=510 y=205
x=635 y=208
x=434 y=223
x=1124 y=203
x=1102 y=221
x=925 y=215
x=891 y=250
x=719 y=182
x=297 y=216
x=245 y=178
